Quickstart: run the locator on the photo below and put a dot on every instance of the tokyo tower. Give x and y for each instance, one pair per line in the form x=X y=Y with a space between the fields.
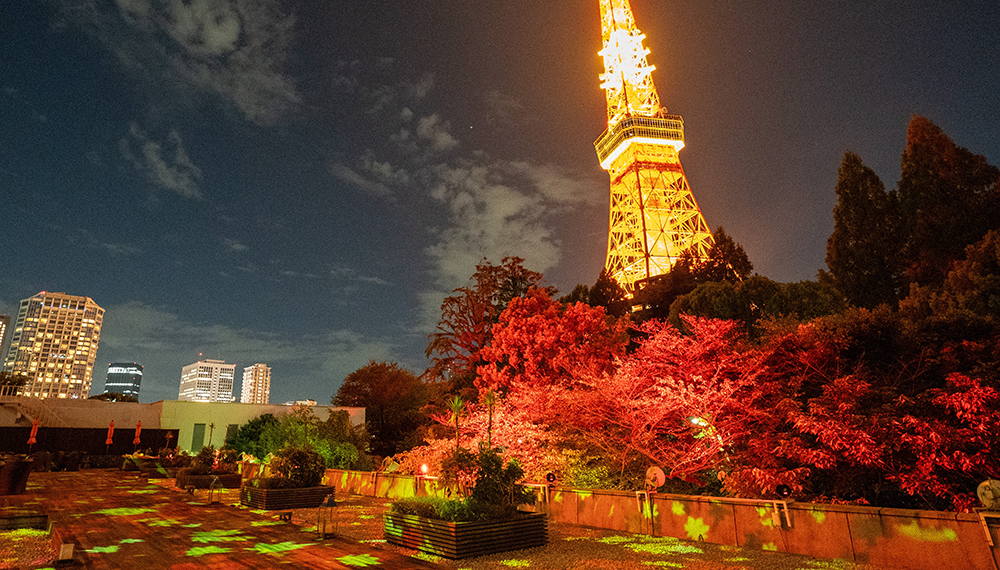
x=654 y=218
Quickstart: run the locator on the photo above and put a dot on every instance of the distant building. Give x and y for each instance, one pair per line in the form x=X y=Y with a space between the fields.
x=207 y=381
x=300 y=403
x=256 y=384
x=54 y=343
x=124 y=378
x=4 y=337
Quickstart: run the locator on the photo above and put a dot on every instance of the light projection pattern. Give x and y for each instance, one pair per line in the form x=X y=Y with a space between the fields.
x=653 y=218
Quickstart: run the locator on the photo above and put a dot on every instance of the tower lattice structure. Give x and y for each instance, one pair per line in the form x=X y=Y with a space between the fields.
x=654 y=218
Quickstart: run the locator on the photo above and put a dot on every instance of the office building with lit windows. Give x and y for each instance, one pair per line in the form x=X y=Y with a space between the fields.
x=123 y=378
x=207 y=381
x=256 y=384
x=54 y=344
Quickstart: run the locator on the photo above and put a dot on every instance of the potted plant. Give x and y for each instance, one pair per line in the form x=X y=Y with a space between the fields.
x=210 y=468
x=485 y=522
x=296 y=482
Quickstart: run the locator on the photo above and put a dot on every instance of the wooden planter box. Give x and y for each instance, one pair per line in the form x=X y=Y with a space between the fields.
x=284 y=499
x=466 y=539
x=226 y=480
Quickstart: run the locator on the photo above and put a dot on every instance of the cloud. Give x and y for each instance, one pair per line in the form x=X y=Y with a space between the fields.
x=376 y=178
x=233 y=245
x=169 y=167
x=310 y=366
x=476 y=205
x=233 y=49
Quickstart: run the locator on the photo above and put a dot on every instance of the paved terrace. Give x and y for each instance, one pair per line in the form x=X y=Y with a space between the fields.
x=118 y=520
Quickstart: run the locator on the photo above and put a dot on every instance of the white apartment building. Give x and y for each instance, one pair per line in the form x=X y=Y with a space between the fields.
x=256 y=384
x=54 y=343
x=207 y=381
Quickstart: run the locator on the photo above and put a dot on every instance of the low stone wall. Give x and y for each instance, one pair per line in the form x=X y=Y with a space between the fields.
x=897 y=538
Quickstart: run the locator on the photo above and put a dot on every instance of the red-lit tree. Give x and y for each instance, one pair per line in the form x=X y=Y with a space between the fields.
x=539 y=342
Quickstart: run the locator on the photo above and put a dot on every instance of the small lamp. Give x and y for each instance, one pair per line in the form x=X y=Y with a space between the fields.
x=214 y=490
x=325 y=522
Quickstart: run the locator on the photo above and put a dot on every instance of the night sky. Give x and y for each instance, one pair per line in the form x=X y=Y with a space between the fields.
x=301 y=183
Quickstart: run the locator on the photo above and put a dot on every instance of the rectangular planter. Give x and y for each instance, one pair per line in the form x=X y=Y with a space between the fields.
x=283 y=499
x=225 y=480
x=466 y=539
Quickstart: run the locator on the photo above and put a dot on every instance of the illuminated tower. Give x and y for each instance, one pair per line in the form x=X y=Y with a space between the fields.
x=654 y=218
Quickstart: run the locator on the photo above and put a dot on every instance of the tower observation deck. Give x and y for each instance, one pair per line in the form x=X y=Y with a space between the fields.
x=654 y=218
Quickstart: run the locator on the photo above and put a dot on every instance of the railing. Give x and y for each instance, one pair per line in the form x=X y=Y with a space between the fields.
x=669 y=129
x=36 y=409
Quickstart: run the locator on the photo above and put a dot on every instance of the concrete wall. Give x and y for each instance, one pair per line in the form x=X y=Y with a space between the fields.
x=184 y=416
x=178 y=417
x=897 y=538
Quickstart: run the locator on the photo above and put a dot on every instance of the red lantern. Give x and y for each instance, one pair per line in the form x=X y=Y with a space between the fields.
x=138 y=428
x=111 y=432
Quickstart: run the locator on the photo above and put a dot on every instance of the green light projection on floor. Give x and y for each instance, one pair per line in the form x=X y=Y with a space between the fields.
x=123 y=511
x=160 y=522
x=278 y=548
x=143 y=491
x=664 y=563
x=516 y=563
x=664 y=545
x=738 y=559
x=914 y=531
x=131 y=541
x=770 y=546
x=831 y=564
x=192 y=525
x=104 y=549
x=218 y=536
x=362 y=560
x=696 y=528
x=427 y=557
x=266 y=523
x=203 y=550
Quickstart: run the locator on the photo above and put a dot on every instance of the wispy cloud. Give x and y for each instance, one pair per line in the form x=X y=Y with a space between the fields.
x=233 y=245
x=484 y=206
x=233 y=49
x=168 y=166
x=164 y=342
x=80 y=237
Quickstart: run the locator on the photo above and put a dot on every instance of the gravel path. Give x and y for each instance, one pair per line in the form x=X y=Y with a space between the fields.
x=576 y=547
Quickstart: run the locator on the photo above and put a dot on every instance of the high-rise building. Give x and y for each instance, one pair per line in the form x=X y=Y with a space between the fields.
x=256 y=384
x=124 y=378
x=4 y=337
x=207 y=381
x=54 y=344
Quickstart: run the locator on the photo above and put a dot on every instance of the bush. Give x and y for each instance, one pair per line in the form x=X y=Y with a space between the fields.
x=302 y=467
x=452 y=510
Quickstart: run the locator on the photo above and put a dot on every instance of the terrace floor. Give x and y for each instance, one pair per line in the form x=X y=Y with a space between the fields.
x=117 y=520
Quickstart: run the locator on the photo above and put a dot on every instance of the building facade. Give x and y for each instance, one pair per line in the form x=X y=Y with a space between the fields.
x=256 y=384
x=207 y=381
x=54 y=344
x=4 y=337
x=124 y=378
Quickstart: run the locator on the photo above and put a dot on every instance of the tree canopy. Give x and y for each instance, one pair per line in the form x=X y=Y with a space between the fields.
x=392 y=397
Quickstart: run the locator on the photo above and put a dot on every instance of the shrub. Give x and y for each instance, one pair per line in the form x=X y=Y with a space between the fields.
x=302 y=467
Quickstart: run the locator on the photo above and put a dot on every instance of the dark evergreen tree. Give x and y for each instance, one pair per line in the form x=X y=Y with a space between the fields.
x=949 y=198
x=863 y=250
x=609 y=294
x=726 y=261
